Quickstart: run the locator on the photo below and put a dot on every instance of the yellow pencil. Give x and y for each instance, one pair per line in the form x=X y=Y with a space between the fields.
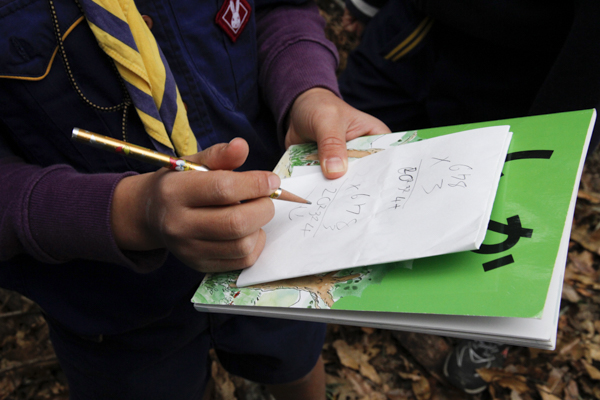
x=156 y=158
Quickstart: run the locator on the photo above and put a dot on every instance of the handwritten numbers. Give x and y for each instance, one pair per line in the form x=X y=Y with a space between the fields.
x=458 y=167
x=407 y=177
x=439 y=160
x=307 y=229
x=336 y=209
x=436 y=186
x=453 y=175
x=297 y=212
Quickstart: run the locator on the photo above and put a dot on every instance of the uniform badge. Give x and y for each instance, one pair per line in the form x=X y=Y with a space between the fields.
x=233 y=17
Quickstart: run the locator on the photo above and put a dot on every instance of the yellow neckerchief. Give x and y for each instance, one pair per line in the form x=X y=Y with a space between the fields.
x=124 y=36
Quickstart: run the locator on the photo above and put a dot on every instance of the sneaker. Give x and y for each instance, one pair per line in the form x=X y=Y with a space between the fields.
x=467 y=357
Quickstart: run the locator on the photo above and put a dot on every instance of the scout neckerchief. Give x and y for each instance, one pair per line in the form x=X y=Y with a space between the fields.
x=124 y=36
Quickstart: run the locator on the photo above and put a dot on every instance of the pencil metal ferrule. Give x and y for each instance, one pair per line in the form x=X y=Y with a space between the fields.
x=276 y=193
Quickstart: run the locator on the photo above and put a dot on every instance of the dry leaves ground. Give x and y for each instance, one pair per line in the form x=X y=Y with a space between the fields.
x=371 y=364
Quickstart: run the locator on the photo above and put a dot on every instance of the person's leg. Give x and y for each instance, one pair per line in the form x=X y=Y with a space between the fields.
x=165 y=360
x=284 y=355
x=311 y=386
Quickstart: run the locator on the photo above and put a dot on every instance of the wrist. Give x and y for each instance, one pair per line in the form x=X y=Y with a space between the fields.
x=315 y=94
x=129 y=207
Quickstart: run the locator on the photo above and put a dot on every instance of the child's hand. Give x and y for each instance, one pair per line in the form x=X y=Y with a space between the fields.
x=198 y=216
x=318 y=115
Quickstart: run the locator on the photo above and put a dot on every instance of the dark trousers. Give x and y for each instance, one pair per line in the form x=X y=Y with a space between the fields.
x=169 y=358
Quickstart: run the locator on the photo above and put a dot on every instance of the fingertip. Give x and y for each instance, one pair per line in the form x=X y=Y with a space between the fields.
x=334 y=167
x=237 y=141
x=274 y=182
x=227 y=156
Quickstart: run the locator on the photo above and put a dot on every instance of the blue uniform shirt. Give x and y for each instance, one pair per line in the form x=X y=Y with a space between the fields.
x=42 y=99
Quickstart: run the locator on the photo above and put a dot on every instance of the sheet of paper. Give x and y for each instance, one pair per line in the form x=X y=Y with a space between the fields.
x=417 y=200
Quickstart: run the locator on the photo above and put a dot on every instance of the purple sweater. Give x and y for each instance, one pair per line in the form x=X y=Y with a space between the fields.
x=294 y=56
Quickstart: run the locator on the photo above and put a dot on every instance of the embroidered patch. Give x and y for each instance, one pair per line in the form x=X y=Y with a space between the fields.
x=233 y=17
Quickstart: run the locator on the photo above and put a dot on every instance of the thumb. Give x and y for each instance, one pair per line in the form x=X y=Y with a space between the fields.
x=224 y=156
x=333 y=155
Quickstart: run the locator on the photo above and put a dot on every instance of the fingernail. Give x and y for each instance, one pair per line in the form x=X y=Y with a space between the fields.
x=334 y=164
x=274 y=182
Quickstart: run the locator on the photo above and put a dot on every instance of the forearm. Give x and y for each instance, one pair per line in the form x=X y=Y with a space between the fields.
x=294 y=56
x=56 y=214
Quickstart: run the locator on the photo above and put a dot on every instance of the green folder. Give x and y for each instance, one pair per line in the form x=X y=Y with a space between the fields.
x=508 y=291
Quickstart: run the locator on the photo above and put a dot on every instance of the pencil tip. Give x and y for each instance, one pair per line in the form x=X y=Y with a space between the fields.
x=287 y=196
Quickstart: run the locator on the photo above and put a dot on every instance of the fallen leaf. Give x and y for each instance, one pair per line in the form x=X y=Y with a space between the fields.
x=555 y=379
x=546 y=393
x=6 y=386
x=592 y=197
x=570 y=294
x=596 y=391
x=353 y=357
x=410 y=376
x=582 y=236
x=584 y=279
x=349 y=356
x=361 y=387
x=224 y=387
x=584 y=292
x=568 y=348
x=398 y=394
x=493 y=393
x=421 y=389
x=504 y=379
x=591 y=370
x=514 y=395
x=368 y=371
x=594 y=350
x=390 y=348
x=339 y=388
x=582 y=262
x=571 y=391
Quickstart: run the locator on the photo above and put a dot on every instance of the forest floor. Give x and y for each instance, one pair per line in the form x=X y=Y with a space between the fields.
x=373 y=364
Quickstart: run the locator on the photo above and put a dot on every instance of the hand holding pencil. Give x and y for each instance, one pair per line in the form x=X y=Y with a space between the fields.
x=153 y=157
x=211 y=221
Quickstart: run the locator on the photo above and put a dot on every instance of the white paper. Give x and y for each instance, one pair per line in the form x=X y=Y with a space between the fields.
x=416 y=200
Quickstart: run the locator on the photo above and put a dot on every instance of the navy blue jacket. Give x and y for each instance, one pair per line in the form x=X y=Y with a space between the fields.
x=40 y=104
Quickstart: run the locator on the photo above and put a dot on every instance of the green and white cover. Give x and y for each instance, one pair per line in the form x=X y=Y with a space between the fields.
x=508 y=291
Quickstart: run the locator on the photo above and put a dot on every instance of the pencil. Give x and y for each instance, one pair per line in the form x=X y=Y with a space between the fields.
x=156 y=158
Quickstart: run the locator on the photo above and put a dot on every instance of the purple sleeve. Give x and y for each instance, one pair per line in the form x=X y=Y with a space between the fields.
x=293 y=56
x=56 y=214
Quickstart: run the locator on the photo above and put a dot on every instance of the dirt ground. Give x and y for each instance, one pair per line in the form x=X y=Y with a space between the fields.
x=372 y=364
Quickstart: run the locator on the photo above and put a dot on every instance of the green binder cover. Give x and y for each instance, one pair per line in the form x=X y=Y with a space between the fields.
x=509 y=276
